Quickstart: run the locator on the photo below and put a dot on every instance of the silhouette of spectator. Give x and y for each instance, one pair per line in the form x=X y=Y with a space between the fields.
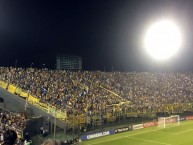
x=9 y=137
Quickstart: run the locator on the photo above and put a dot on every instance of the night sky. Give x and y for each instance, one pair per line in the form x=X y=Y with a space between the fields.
x=108 y=34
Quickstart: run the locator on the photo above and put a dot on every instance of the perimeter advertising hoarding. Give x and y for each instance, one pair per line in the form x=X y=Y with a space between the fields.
x=189 y=117
x=182 y=118
x=137 y=126
x=96 y=134
x=150 y=124
x=123 y=129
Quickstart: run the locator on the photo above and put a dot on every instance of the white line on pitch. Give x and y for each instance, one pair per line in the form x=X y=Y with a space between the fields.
x=171 y=133
x=183 y=131
x=149 y=141
x=124 y=136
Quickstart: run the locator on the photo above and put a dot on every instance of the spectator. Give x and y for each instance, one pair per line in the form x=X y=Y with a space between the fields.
x=9 y=137
x=11 y=120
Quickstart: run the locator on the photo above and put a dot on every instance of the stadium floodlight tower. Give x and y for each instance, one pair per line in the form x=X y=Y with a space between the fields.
x=163 y=40
x=165 y=122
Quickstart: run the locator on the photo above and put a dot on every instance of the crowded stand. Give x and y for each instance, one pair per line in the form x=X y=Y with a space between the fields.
x=86 y=92
x=15 y=122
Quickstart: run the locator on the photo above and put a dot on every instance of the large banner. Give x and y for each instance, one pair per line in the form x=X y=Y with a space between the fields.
x=32 y=99
x=57 y=113
x=3 y=84
x=24 y=94
x=11 y=88
x=18 y=91
x=96 y=134
x=62 y=114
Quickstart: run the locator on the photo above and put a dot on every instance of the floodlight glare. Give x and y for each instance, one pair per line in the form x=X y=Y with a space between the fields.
x=163 y=40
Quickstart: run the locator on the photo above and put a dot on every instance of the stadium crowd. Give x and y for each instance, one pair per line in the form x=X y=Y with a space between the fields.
x=11 y=127
x=14 y=121
x=86 y=92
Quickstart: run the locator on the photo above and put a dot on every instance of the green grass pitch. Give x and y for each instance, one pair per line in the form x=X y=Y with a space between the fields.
x=176 y=135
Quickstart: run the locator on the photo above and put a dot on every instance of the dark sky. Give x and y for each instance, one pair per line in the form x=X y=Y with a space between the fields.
x=106 y=33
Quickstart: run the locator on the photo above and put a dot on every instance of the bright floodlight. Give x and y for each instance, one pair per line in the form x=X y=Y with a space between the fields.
x=163 y=40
